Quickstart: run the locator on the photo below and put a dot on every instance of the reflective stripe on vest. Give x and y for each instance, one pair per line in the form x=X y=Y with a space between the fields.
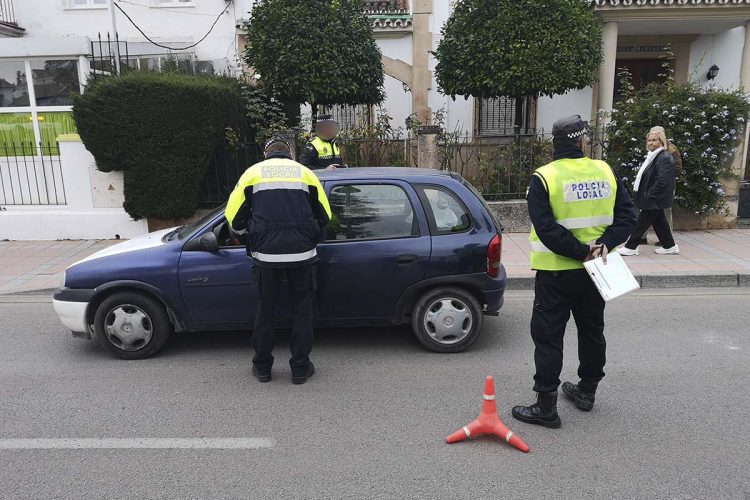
x=326 y=150
x=284 y=257
x=582 y=197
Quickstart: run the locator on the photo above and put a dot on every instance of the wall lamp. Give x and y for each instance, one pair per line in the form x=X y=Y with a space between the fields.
x=713 y=71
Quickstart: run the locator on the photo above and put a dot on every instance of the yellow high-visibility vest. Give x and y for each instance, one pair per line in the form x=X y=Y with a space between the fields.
x=326 y=150
x=582 y=196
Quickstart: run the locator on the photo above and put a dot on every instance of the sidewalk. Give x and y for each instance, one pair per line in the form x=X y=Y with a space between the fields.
x=715 y=258
x=707 y=259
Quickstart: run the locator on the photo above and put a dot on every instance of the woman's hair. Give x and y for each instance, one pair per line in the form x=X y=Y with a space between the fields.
x=659 y=132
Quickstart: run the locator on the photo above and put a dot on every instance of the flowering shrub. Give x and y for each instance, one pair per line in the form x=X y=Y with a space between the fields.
x=704 y=124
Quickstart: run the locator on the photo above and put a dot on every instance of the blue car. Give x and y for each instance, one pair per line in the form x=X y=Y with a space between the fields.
x=404 y=246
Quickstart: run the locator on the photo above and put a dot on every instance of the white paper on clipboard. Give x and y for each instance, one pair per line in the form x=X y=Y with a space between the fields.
x=612 y=279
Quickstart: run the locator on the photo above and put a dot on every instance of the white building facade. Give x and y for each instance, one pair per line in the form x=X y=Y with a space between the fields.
x=640 y=35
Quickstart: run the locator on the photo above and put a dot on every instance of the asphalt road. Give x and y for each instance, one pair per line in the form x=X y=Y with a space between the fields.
x=670 y=421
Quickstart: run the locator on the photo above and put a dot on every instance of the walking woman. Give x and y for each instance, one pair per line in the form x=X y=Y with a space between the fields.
x=654 y=192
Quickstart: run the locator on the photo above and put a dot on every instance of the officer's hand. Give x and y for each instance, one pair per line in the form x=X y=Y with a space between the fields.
x=331 y=167
x=597 y=251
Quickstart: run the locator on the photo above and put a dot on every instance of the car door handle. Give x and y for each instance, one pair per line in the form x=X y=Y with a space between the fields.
x=406 y=259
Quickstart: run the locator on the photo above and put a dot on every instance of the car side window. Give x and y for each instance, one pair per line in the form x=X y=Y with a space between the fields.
x=446 y=213
x=228 y=239
x=370 y=212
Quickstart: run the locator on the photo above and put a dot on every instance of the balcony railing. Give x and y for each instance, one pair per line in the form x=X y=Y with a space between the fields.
x=389 y=16
x=7 y=13
x=373 y=7
x=666 y=3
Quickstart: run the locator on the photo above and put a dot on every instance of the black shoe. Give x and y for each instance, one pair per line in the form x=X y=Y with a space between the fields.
x=543 y=412
x=303 y=378
x=584 y=400
x=262 y=377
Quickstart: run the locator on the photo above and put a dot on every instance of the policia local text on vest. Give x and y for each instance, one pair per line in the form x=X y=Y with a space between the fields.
x=574 y=203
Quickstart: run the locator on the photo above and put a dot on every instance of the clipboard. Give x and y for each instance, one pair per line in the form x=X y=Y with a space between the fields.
x=612 y=279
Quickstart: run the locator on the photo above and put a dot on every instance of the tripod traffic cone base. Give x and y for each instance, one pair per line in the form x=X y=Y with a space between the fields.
x=488 y=422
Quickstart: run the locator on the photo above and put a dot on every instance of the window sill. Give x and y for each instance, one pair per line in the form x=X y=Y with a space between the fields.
x=88 y=7
x=176 y=6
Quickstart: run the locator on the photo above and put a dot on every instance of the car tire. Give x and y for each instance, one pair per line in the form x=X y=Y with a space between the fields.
x=447 y=319
x=131 y=325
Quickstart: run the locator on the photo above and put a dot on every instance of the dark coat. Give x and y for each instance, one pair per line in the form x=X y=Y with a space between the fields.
x=656 y=190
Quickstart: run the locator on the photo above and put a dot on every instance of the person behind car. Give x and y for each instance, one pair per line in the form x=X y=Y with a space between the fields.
x=579 y=210
x=283 y=207
x=322 y=153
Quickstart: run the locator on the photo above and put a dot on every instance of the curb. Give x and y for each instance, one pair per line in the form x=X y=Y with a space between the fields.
x=39 y=291
x=725 y=279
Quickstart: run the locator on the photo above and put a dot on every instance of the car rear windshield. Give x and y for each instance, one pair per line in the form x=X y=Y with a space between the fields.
x=481 y=199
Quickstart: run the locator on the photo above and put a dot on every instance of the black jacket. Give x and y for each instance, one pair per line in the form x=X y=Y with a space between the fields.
x=284 y=219
x=656 y=190
x=559 y=239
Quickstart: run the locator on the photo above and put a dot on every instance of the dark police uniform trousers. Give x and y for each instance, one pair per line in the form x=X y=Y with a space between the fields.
x=557 y=294
x=302 y=287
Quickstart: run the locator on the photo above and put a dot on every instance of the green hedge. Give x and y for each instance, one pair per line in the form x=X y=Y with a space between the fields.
x=161 y=129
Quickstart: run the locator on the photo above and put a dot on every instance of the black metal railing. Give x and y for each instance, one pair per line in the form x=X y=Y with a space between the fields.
x=386 y=6
x=224 y=170
x=31 y=174
x=103 y=57
x=7 y=13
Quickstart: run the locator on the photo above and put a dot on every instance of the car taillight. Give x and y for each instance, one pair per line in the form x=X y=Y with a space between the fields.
x=494 y=251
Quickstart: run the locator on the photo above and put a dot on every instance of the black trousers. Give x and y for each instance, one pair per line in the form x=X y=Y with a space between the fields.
x=557 y=294
x=646 y=219
x=302 y=293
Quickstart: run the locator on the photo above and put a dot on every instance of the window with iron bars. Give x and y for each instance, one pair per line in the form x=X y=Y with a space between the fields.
x=350 y=117
x=497 y=117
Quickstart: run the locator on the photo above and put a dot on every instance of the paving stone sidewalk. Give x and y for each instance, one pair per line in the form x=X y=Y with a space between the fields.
x=718 y=258
x=715 y=258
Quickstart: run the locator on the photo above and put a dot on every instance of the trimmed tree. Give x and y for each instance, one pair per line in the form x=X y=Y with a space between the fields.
x=518 y=49
x=161 y=130
x=320 y=52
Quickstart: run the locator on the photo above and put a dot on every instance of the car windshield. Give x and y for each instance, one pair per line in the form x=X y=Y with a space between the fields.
x=185 y=231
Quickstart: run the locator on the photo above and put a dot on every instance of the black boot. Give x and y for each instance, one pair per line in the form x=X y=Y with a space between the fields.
x=543 y=412
x=582 y=395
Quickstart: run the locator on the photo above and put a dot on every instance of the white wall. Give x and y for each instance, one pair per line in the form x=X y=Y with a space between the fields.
x=397 y=102
x=724 y=50
x=175 y=27
x=93 y=209
x=575 y=102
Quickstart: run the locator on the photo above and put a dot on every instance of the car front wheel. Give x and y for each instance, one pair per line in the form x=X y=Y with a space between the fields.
x=131 y=325
x=447 y=319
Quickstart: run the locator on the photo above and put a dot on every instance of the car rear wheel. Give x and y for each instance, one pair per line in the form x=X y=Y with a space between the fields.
x=447 y=319
x=131 y=325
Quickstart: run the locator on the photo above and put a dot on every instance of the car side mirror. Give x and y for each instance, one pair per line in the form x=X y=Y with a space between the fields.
x=206 y=243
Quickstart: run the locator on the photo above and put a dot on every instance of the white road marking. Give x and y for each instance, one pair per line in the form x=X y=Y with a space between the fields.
x=136 y=443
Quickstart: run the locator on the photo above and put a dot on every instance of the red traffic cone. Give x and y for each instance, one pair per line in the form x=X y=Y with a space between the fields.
x=488 y=422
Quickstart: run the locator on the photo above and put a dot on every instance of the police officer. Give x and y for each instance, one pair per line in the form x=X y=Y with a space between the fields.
x=322 y=153
x=580 y=210
x=282 y=206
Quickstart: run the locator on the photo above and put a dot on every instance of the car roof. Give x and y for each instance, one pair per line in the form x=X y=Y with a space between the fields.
x=402 y=173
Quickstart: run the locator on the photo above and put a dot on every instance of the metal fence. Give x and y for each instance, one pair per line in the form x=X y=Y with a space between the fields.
x=7 y=13
x=31 y=174
x=500 y=167
x=224 y=170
